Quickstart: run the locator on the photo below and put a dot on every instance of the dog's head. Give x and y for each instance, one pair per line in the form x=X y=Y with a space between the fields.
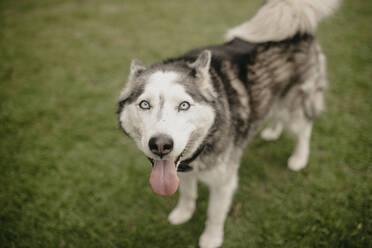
x=167 y=109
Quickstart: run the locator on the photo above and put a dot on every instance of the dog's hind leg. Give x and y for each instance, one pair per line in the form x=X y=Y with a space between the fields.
x=304 y=108
x=306 y=104
x=301 y=128
x=186 y=203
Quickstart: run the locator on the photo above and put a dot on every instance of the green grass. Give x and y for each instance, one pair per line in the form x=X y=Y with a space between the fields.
x=69 y=177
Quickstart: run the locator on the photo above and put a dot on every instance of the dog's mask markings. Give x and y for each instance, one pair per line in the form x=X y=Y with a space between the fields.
x=164 y=105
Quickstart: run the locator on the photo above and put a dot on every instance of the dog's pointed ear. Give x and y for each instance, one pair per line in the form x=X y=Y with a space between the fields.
x=136 y=67
x=202 y=65
x=203 y=62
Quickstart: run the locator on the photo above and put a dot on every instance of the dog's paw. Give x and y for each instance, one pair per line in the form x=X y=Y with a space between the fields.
x=270 y=134
x=296 y=162
x=211 y=238
x=181 y=214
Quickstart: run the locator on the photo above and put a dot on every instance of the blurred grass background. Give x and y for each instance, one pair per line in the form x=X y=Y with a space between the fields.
x=69 y=177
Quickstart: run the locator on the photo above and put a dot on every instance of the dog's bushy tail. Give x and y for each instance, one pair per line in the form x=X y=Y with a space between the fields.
x=280 y=19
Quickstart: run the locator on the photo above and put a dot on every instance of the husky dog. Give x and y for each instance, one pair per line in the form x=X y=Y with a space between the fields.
x=193 y=115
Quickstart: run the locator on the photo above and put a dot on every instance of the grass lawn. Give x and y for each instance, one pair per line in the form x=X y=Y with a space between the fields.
x=70 y=178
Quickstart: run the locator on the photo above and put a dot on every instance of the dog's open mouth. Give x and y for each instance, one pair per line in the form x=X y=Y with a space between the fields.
x=163 y=178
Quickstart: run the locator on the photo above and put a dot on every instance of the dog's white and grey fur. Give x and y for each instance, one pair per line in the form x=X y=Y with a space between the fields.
x=211 y=100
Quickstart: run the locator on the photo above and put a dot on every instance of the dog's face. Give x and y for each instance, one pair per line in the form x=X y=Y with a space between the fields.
x=168 y=113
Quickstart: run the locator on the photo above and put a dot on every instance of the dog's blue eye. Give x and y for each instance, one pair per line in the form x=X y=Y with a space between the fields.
x=144 y=104
x=184 y=106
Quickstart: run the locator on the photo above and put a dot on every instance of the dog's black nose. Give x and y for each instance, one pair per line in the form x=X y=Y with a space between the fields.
x=161 y=145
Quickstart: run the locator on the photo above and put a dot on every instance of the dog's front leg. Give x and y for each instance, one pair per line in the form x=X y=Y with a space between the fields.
x=219 y=204
x=186 y=203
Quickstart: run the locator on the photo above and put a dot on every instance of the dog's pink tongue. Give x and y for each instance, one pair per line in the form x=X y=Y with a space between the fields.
x=163 y=179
